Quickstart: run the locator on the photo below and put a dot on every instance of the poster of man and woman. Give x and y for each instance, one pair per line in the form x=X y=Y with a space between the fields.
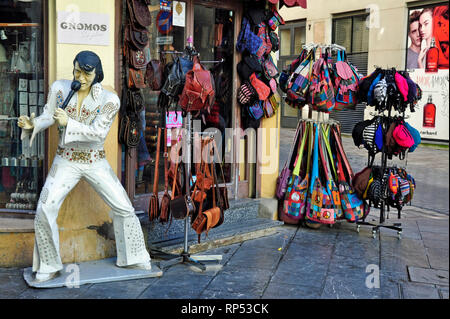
x=427 y=61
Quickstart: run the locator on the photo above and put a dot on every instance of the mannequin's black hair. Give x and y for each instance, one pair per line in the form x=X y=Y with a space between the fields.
x=88 y=60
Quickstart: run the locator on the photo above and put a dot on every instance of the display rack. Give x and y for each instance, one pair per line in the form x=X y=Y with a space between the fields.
x=185 y=257
x=382 y=205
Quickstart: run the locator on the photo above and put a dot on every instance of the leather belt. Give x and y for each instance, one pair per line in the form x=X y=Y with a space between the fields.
x=84 y=156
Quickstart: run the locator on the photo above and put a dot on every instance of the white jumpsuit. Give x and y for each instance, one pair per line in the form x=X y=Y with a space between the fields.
x=79 y=155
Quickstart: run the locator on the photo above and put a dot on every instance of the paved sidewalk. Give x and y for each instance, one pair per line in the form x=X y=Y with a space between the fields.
x=295 y=262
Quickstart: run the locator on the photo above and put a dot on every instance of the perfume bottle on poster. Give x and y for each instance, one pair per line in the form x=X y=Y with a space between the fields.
x=432 y=58
x=429 y=114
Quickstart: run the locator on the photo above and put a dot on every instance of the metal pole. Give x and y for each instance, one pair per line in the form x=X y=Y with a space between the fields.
x=188 y=148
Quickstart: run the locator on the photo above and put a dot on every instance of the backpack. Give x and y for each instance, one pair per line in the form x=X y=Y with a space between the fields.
x=346 y=83
x=198 y=92
x=321 y=90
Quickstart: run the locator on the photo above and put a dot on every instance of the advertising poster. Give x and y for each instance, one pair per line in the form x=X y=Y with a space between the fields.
x=427 y=60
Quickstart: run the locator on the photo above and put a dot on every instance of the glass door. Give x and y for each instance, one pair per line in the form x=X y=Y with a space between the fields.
x=292 y=37
x=213 y=34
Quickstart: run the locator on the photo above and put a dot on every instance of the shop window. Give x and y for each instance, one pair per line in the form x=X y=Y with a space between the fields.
x=292 y=37
x=22 y=89
x=353 y=34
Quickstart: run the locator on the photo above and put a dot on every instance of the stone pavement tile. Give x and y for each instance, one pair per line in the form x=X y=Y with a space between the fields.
x=275 y=241
x=427 y=275
x=224 y=294
x=419 y=291
x=12 y=283
x=390 y=285
x=255 y=257
x=312 y=250
x=433 y=225
x=435 y=240
x=438 y=258
x=127 y=289
x=343 y=265
x=398 y=263
x=241 y=280
x=319 y=237
x=355 y=246
x=308 y=273
x=277 y=290
x=403 y=247
x=55 y=293
x=191 y=291
x=349 y=287
x=443 y=292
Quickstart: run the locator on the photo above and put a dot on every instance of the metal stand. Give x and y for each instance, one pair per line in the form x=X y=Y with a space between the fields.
x=185 y=257
x=382 y=205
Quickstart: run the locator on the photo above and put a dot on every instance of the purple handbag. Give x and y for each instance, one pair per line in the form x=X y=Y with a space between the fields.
x=256 y=110
x=286 y=173
x=247 y=39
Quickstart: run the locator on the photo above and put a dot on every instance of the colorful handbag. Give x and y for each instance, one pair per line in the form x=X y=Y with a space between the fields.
x=285 y=173
x=296 y=194
x=270 y=69
x=256 y=110
x=247 y=40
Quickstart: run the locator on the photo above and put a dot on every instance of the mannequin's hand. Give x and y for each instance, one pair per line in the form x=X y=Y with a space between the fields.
x=26 y=122
x=61 y=117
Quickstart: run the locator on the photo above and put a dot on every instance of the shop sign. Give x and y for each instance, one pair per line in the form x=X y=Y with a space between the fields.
x=83 y=28
x=164 y=40
x=179 y=14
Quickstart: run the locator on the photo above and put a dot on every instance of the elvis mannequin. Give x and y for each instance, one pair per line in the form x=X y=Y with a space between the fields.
x=83 y=127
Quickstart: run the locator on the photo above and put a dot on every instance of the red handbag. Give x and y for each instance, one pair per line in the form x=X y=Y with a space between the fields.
x=262 y=89
x=198 y=92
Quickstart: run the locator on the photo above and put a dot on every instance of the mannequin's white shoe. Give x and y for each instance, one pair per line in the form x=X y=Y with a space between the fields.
x=41 y=277
x=144 y=266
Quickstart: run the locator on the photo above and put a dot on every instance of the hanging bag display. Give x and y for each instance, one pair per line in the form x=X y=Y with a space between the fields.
x=296 y=193
x=315 y=194
x=331 y=184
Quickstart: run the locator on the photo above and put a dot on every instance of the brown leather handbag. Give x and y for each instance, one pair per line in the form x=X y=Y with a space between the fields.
x=212 y=217
x=165 y=200
x=136 y=79
x=154 y=75
x=154 y=200
x=139 y=14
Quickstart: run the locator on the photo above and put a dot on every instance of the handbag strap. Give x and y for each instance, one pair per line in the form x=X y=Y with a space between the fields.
x=299 y=131
x=337 y=137
x=166 y=170
x=156 y=175
x=219 y=161
x=174 y=184
x=326 y=137
x=296 y=171
x=315 y=168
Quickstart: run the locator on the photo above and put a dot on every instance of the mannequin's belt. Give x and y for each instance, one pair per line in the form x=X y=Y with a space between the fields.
x=85 y=156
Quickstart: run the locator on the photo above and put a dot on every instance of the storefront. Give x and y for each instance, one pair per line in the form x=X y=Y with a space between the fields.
x=39 y=40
